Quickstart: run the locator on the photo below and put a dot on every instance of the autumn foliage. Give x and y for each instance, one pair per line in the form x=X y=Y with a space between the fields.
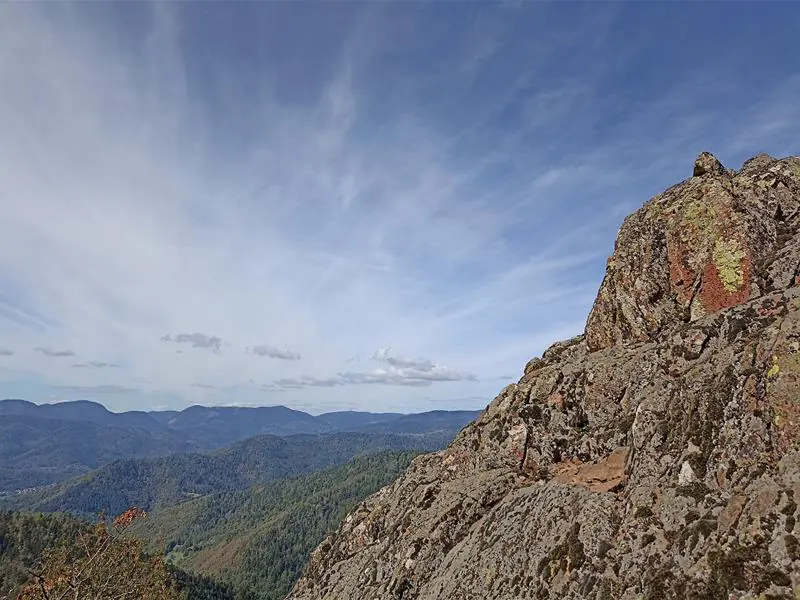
x=101 y=565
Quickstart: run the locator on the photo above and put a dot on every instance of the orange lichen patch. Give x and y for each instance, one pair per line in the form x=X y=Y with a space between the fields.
x=716 y=294
x=603 y=475
x=680 y=274
x=703 y=232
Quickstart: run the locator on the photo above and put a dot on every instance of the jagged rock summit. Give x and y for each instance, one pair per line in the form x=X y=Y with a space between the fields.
x=711 y=242
x=656 y=456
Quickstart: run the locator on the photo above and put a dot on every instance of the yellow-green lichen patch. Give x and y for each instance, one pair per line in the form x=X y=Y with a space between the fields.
x=774 y=369
x=698 y=218
x=789 y=363
x=728 y=258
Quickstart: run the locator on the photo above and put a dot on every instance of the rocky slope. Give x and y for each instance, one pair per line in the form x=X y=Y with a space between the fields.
x=656 y=456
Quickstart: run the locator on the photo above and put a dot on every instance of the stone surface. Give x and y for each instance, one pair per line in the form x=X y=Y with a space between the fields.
x=656 y=457
x=709 y=243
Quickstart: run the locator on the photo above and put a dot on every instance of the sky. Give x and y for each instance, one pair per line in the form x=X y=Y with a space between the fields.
x=346 y=206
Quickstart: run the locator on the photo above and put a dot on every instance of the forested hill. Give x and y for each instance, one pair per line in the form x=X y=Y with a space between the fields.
x=223 y=425
x=25 y=539
x=258 y=540
x=237 y=545
x=48 y=443
x=37 y=451
x=164 y=481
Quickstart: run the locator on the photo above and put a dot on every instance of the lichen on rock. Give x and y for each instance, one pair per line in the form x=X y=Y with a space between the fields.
x=698 y=220
x=657 y=456
x=706 y=244
x=728 y=258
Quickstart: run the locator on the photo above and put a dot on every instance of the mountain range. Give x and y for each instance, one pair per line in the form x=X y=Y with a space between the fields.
x=163 y=481
x=234 y=520
x=43 y=444
x=225 y=424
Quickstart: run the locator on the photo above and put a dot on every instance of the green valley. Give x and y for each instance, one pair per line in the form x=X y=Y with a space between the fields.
x=258 y=540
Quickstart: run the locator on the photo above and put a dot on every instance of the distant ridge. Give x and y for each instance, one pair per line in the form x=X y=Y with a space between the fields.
x=231 y=423
x=45 y=443
x=162 y=481
x=79 y=410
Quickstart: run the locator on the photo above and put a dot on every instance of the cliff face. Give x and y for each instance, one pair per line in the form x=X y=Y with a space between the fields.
x=656 y=456
x=709 y=243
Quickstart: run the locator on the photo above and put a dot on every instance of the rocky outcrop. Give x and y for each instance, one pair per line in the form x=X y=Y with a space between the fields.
x=657 y=456
x=712 y=242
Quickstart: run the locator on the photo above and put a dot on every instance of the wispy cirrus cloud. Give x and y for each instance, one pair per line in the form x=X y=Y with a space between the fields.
x=453 y=191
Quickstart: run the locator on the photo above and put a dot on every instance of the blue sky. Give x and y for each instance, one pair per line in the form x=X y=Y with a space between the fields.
x=374 y=206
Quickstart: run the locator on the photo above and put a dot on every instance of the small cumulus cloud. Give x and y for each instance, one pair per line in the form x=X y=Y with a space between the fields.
x=96 y=364
x=382 y=378
x=414 y=372
x=421 y=364
x=273 y=352
x=6 y=352
x=205 y=386
x=196 y=340
x=47 y=351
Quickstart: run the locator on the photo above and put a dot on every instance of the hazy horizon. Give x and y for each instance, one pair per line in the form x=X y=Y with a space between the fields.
x=310 y=412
